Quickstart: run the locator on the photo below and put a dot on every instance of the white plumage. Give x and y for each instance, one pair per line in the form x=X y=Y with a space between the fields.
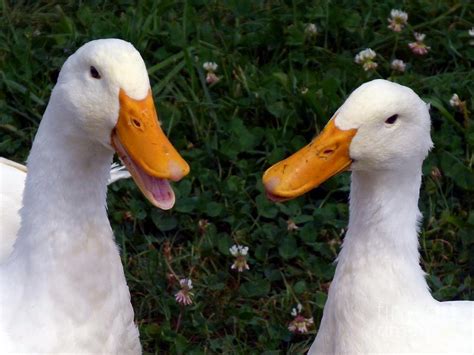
x=379 y=301
x=12 y=184
x=62 y=288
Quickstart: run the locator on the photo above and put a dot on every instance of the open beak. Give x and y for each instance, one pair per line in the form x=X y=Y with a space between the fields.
x=146 y=151
x=326 y=156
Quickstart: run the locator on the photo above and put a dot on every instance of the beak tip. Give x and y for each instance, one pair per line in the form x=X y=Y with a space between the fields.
x=178 y=170
x=186 y=169
x=270 y=182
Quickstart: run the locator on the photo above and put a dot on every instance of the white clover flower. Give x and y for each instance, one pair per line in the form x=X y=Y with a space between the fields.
x=436 y=174
x=237 y=250
x=240 y=253
x=211 y=77
x=419 y=47
x=203 y=224
x=366 y=54
x=458 y=104
x=398 y=65
x=291 y=226
x=297 y=310
x=365 y=58
x=299 y=324
x=311 y=29
x=398 y=19
x=210 y=66
x=234 y=249
x=455 y=101
x=184 y=295
x=420 y=37
x=188 y=283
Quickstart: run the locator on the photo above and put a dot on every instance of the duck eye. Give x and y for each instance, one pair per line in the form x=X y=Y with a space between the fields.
x=94 y=73
x=391 y=119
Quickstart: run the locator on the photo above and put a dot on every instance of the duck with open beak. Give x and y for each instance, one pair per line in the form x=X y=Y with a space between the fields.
x=326 y=156
x=146 y=151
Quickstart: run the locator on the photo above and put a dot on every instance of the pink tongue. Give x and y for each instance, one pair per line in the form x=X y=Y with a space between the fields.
x=161 y=191
x=274 y=198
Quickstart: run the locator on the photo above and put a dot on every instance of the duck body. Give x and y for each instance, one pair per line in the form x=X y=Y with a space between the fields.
x=73 y=296
x=12 y=184
x=62 y=287
x=379 y=301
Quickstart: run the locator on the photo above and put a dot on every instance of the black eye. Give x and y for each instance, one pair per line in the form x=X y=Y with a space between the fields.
x=391 y=119
x=94 y=73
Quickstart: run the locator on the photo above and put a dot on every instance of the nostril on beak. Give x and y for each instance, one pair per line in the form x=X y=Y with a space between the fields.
x=136 y=123
x=327 y=152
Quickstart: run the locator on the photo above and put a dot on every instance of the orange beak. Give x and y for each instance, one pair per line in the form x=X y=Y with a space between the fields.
x=326 y=156
x=146 y=151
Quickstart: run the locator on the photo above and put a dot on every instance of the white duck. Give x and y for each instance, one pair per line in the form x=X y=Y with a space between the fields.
x=378 y=301
x=12 y=184
x=63 y=289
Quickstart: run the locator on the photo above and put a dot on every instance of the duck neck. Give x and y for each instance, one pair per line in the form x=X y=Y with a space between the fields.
x=382 y=238
x=65 y=255
x=65 y=191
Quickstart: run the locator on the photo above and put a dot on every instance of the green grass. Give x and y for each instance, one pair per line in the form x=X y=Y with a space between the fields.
x=232 y=131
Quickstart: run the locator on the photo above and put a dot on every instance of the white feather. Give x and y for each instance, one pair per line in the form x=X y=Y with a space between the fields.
x=379 y=301
x=117 y=172
x=62 y=288
x=12 y=184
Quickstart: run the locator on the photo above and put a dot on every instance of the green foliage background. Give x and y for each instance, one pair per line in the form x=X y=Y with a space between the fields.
x=230 y=132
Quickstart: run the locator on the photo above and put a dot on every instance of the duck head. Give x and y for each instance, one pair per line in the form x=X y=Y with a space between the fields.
x=381 y=126
x=104 y=90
